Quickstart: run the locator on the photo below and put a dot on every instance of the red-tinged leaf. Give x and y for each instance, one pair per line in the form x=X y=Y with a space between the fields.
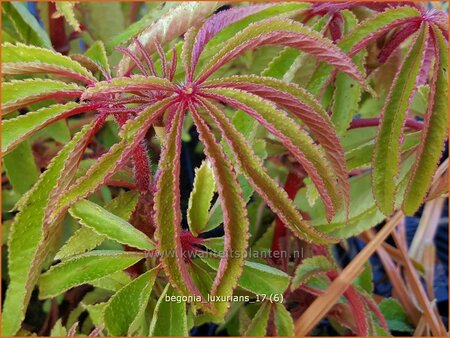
x=74 y=158
x=235 y=219
x=20 y=128
x=357 y=307
x=29 y=241
x=427 y=62
x=374 y=308
x=170 y=26
x=119 y=154
x=375 y=27
x=167 y=210
x=287 y=33
x=19 y=94
x=434 y=131
x=304 y=106
x=253 y=169
x=396 y=40
x=291 y=135
x=127 y=84
x=365 y=33
x=215 y=24
x=386 y=155
x=22 y=59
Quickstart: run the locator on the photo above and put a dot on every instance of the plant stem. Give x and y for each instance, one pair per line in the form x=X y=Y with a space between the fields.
x=373 y=122
x=292 y=185
x=57 y=30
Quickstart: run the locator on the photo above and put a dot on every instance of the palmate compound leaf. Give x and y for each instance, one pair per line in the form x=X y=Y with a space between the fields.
x=170 y=26
x=130 y=136
x=83 y=269
x=434 y=132
x=364 y=33
x=235 y=219
x=302 y=105
x=18 y=94
x=22 y=127
x=386 y=154
x=294 y=139
x=287 y=33
x=29 y=241
x=22 y=59
x=200 y=198
x=269 y=190
x=169 y=317
x=106 y=223
x=123 y=311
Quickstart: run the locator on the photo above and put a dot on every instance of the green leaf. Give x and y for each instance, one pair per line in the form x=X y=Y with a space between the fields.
x=65 y=8
x=26 y=25
x=311 y=267
x=19 y=94
x=364 y=280
x=386 y=155
x=20 y=128
x=433 y=135
x=257 y=278
x=86 y=238
x=20 y=167
x=128 y=304
x=58 y=330
x=112 y=282
x=169 y=317
x=106 y=223
x=83 y=269
x=283 y=321
x=22 y=59
x=258 y=325
x=97 y=53
x=29 y=241
x=395 y=315
x=200 y=198
x=347 y=92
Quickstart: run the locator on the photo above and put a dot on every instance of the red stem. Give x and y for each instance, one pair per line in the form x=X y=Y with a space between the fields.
x=57 y=30
x=373 y=122
x=292 y=185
